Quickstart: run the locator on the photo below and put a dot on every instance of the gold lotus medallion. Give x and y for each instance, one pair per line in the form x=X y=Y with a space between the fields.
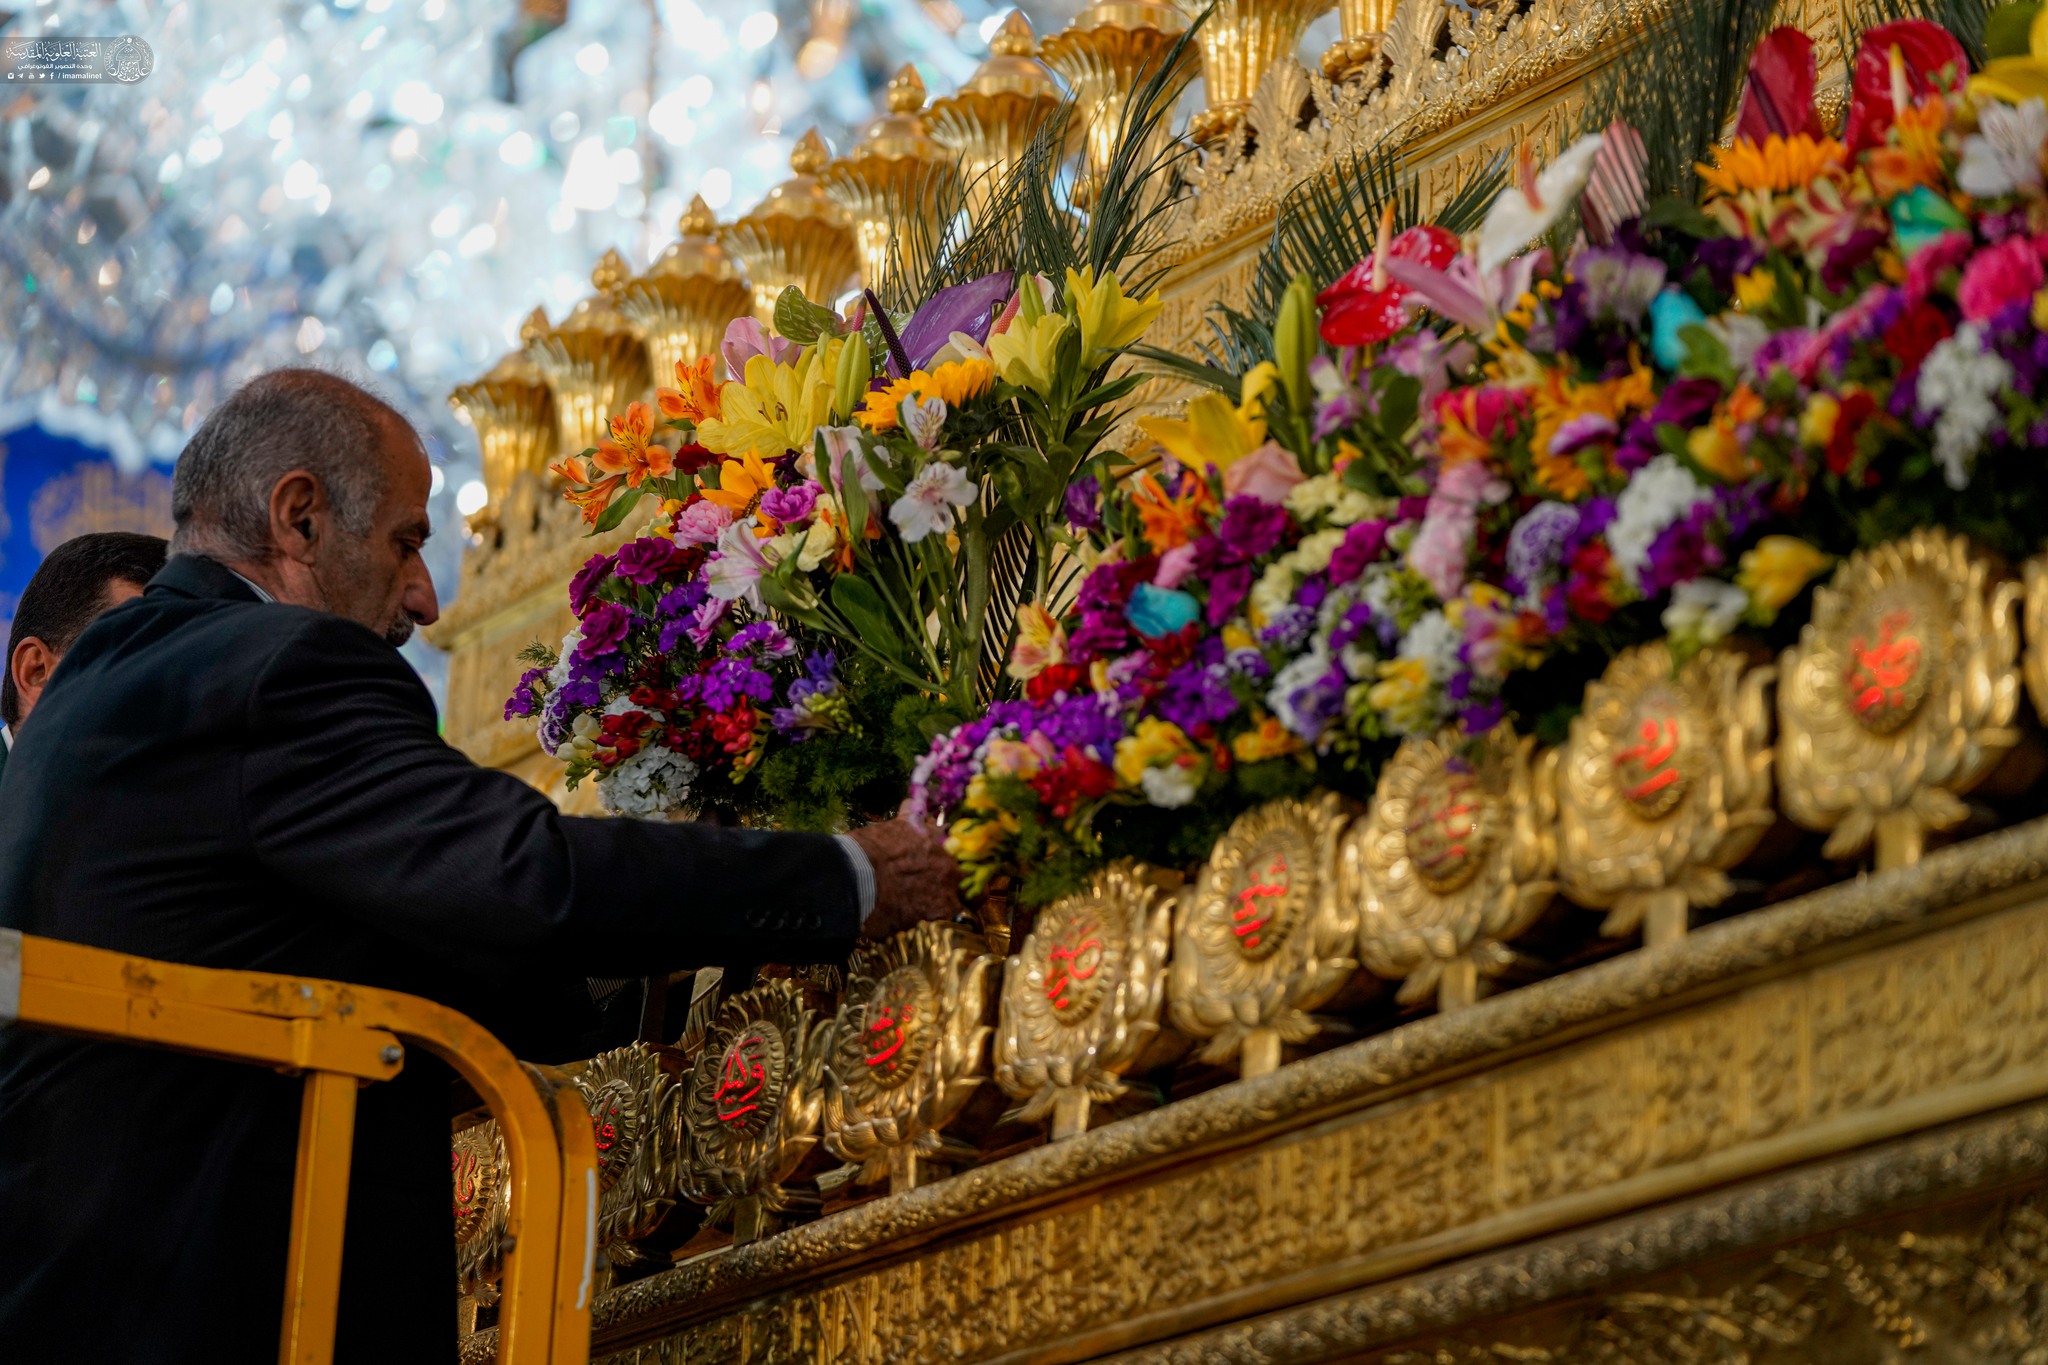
x=1663 y=785
x=1453 y=861
x=909 y=1049
x=1081 y=998
x=1261 y=939
x=482 y=1205
x=751 y=1116
x=1900 y=695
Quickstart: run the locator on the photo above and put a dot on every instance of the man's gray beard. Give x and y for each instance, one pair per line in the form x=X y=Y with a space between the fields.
x=398 y=632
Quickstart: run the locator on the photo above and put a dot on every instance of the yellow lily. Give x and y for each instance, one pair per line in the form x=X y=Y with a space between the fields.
x=2016 y=80
x=1109 y=319
x=1026 y=353
x=775 y=407
x=1214 y=432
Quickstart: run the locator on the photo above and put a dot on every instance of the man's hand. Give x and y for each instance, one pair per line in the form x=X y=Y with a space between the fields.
x=915 y=878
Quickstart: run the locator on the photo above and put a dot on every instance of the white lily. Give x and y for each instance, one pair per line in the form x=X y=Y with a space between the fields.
x=1526 y=209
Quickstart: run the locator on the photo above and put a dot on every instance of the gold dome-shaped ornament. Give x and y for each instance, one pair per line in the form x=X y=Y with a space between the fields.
x=1364 y=26
x=684 y=302
x=512 y=410
x=755 y=1098
x=1900 y=695
x=1454 y=861
x=1109 y=51
x=635 y=1098
x=1240 y=43
x=1081 y=998
x=797 y=235
x=593 y=359
x=1664 y=785
x=483 y=1203
x=893 y=175
x=1262 y=936
x=990 y=121
x=909 y=1049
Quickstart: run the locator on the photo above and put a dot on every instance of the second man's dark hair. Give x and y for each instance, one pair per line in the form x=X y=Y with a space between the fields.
x=69 y=589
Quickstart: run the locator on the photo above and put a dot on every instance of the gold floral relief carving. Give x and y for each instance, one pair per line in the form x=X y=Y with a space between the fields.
x=1664 y=784
x=1900 y=695
x=635 y=1098
x=909 y=1048
x=1262 y=935
x=1454 y=860
x=2035 y=663
x=1082 y=997
x=753 y=1106
x=476 y=1161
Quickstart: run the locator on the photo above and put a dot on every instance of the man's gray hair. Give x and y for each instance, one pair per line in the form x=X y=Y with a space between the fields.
x=274 y=424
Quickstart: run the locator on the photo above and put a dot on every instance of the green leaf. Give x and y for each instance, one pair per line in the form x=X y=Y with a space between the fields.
x=1705 y=356
x=2006 y=29
x=798 y=319
x=616 y=513
x=1400 y=399
x=856 y=600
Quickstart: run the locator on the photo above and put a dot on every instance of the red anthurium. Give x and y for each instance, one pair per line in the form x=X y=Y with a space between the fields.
x=1929 y=59
x=1777 y=98
x=1364 y=305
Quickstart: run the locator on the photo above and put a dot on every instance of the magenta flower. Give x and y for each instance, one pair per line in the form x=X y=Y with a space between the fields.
x=789 y=505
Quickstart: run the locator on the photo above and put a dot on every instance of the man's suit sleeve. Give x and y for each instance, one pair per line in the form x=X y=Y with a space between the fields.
x=349 y=792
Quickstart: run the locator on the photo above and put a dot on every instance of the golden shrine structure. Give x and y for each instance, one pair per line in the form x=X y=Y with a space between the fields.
x=1708 y=1034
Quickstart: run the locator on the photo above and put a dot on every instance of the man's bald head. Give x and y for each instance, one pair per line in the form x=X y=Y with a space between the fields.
x=316 y=490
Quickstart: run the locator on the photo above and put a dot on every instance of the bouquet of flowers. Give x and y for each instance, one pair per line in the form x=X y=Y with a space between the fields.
x=1476 y=470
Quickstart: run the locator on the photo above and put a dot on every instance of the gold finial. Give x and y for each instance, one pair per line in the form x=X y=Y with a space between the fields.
x=698 y=220
x=1014 y=38
x=610 y=272
x=810 y=154
x=906 y=90
x=534 y=328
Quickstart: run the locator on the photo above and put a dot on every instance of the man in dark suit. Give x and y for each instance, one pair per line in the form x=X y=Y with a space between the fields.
x=77 y=581
x=238 y=770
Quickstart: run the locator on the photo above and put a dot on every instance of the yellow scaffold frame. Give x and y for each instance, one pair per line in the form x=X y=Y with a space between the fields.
x=339 y=1037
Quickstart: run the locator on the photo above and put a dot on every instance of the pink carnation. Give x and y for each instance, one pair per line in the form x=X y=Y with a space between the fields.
x=700 y=523
x=1444 y=540
x=1999 y=275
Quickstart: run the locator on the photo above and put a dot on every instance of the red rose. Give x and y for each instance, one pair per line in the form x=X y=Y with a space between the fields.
x=1056 y=679
x=1915 y=332
x=1857 y=407
x=1076 y=778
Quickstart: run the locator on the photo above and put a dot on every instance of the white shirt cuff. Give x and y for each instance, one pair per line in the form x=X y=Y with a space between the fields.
x=863 y=873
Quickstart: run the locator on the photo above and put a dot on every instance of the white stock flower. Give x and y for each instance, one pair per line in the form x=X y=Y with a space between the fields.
x=1171 y=786
x=2004 y=156
x=1958 y=381
x=926 y=506
x=1435 y=641
x=1660 y=493
x=1534 y=200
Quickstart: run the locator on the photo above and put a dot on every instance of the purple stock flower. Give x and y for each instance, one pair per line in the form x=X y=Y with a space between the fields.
x=1361 y=545
x=520 y=703
x=726 y=681
x=587 y=580
x=1536 y=543
x=1251 y=527
x=773 y=641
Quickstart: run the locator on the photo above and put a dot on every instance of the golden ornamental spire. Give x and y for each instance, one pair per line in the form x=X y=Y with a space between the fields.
x=513 y=412
x=594 y=359
x=1240 y=43
x=894 y=173
x=1108 y=51
x=797 y=235
x=991 y=120
x=682 y=304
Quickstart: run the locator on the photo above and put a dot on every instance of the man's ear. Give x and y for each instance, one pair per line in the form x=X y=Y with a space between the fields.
x=298 y=516
x=31 y=665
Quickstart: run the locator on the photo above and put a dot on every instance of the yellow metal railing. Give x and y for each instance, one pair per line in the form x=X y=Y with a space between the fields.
x=339 y=1037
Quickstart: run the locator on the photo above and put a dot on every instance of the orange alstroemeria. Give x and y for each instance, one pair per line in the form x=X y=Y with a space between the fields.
x=1720 y=446
x=695 y=396
x=629 y=449
x=589 y=494
x=1914 y=156
x=1172 y=521
x=1558 y=401
x=741 y=482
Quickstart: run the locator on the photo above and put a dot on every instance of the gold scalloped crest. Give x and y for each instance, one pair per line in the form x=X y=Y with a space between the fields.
x=1081 y=999
x=1261 y=937
x=635 y=1100
x=1453 y=862
x=1900 y=695
x=1663 y=786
